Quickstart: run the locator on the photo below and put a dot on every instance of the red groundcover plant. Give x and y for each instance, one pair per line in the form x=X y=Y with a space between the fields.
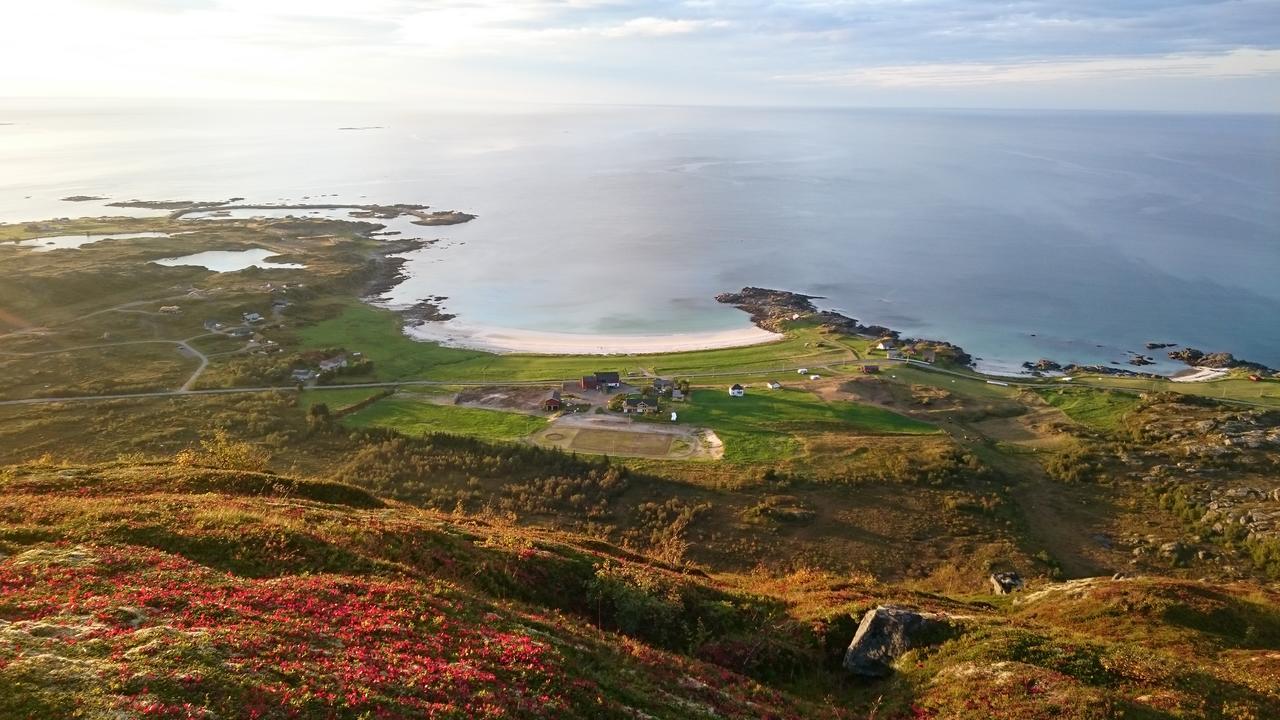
x=158 y=636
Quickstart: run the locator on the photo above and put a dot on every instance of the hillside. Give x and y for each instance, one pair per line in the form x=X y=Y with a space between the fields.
x=174 y=590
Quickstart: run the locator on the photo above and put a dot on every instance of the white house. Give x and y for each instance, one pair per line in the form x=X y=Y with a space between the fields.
x=885 y=345
x=737 y=390
x=775 y=385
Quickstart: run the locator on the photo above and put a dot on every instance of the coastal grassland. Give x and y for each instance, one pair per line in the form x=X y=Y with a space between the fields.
x=378 y=333
x=417 y=417
x=95 y=371
x=1237 y=386
x=766 y=425
x=337 y=399
x=1101 y=409
x=83 y=226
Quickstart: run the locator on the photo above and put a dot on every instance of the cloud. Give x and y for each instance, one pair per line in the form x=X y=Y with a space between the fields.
x=755 y=51
x=659 y=27
x=1242 y=63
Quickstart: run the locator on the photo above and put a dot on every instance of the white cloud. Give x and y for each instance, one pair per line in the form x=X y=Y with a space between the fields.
x=1241 y=63
x=658 y=27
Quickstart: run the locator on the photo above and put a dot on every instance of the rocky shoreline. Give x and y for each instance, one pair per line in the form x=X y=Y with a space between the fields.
x=772 y=309
x=389 y=273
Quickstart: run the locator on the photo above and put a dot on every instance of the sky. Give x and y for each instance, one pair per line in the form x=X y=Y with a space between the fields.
x=1162 y=55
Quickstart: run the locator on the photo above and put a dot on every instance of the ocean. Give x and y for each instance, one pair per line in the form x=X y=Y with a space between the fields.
x=1017 y=235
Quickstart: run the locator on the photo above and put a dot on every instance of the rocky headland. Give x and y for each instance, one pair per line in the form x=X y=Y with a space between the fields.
x=772 y=309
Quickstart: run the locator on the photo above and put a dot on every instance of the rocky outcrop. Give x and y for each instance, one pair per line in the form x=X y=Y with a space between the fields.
x=1221 y=360
x=1042 y=365
x=1003 y=583
x=773 y=309
x=1074 y=369
x=886 y=633
x=1160 y=345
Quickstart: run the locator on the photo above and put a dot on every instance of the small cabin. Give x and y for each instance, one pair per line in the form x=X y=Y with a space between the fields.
x=774 y=385
x=333 y=364
x=870 y=369
x=553 y=402
x=737 y=390
x=663 y=386
x=885 y=344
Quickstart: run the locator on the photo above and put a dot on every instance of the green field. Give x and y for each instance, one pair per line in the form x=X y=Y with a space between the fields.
x=764 y=424
x=1103 y=409
x=415 y=417
x=336 y=399
x=377 y=333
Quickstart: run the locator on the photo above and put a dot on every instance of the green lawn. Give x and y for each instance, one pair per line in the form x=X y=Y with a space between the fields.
x=376 y=333
x=764 y=424
x=415 y=417
x=1104 y=409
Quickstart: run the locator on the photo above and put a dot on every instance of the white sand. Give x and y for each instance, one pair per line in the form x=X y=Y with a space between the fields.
x=1199 y=374
x=453 y=333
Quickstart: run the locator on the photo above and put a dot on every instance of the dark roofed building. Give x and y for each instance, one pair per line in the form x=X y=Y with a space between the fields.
x=589 y=382
x=639 y=405
x=608 y=379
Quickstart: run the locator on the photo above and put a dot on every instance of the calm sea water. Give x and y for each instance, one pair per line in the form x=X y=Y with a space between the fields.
x=1018 y=235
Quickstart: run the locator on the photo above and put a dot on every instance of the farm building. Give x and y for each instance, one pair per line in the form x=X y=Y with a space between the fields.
x=553 y=402
x=737 y=390
x=663 y=386
x=334 y=363
x=589 y=382
x=639 y=405
x=608 y=380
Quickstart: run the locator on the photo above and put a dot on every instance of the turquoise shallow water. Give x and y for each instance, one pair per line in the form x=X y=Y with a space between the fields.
x=1075 y=236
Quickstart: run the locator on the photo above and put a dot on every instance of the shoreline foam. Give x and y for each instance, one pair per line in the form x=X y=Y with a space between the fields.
x=512 y=340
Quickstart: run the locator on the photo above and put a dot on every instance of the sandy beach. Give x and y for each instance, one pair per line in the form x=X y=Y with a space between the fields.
x=457 y=334
x=1198 y=374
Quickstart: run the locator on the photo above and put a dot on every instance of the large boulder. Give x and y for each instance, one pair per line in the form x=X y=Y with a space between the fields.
x=887 y=632
x=1003 y=583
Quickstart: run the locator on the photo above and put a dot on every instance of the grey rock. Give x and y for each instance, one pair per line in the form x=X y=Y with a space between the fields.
x=1003 y=583
x=887 y=632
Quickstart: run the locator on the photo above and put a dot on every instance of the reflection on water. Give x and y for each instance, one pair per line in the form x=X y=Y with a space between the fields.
x=1075 y=236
